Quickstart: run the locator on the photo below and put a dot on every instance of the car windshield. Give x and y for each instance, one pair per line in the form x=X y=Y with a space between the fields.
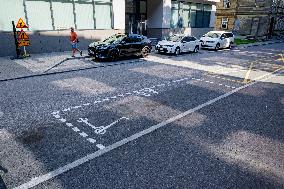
x=174 y=38
x=114 y=39
x=212 y=35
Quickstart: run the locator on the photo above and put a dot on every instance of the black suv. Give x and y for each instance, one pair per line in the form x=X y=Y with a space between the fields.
x=120 y=45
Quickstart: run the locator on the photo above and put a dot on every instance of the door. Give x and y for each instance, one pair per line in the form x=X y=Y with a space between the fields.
x=224 y=41
x=185 y=44
x=126 y=48
x=192 y=43
x=136 y=44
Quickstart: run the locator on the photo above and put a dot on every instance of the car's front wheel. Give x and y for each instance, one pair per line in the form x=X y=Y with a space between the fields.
x=217 y=47
x=113 y=55
x=196 y=49
x=145 y=52
x=177 y=51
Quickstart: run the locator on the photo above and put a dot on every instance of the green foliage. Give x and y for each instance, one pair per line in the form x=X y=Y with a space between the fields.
x=244 y=41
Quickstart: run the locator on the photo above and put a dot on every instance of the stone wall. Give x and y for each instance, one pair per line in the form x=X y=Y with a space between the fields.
x=253 y=16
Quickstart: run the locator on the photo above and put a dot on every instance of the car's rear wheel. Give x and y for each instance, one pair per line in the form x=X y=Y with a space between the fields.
x=217 y=47
x=145 y=52
x=177 y=51
x=113 y=56
x=196 y=49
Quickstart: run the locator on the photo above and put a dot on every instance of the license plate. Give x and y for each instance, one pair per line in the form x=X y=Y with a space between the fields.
x=161 y=49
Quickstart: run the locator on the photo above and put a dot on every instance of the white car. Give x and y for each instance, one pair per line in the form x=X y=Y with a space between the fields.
x=177 y=44
x=217 y=40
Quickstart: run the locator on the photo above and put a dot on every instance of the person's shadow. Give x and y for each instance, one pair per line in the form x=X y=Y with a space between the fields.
x=2 y=184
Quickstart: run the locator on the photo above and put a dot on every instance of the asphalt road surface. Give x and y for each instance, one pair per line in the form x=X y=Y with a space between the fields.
x=206 y=120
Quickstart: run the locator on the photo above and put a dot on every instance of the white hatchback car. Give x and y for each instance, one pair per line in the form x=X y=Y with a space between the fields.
x=217 y=39
x=177 y=44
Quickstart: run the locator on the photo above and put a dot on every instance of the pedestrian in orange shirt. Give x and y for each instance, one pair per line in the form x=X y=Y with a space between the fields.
x=74 y=41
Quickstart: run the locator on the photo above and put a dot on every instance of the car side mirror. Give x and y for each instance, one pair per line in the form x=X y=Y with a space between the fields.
x=203 y=35
x=222 y=38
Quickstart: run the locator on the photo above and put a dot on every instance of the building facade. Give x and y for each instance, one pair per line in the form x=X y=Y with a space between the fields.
x=245 y=17
x=49 y=21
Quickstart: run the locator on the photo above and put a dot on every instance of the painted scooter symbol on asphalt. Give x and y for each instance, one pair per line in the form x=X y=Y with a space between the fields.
x=101 y=129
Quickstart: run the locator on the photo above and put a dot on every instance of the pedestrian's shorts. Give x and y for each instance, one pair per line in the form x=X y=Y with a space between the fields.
x=74 y=45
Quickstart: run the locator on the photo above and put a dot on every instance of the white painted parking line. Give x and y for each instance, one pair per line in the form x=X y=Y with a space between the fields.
x=69 y=124
x=57 y=116
x=146 y=92
x=91 y=140
x=62 y=120
x=76 y=129
x=37 y=180
x=83 y=134
x=100 y=146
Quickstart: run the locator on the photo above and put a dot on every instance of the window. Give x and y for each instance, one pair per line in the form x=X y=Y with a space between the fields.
x=63 y=14
x=36 y=8
x=84 y=12
x=58 y=14
x=193 y=15
x=186 y=15
x=175 y=14
x=224 y=24
x=230 y=34
x=192 y=39
x=11 y=10
x=103 y=14
x=200 y=15
x=226 y=3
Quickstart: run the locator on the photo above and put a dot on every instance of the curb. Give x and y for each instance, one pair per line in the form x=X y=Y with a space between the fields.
x=260 y=44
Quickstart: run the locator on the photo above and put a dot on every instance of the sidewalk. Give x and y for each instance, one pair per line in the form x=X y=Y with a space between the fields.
x=40 y=63
x=43 y=64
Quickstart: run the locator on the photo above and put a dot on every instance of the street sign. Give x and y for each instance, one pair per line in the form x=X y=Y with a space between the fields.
x=21 y=24
x=23 y=43
x=22 y=35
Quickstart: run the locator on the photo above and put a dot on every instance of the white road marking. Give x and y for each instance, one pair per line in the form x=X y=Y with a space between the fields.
x=62 y=120
x=55 y=113
x=37 y=180
x=75 y=129
x=1 y=114
x=76 y=107
x=100 y=129
x=143 y=92
x=83 y=134
x=100 y=146
x=67 y=109
x=91 y=140
x=97 y=101
x=69 y=124
x=57 y=116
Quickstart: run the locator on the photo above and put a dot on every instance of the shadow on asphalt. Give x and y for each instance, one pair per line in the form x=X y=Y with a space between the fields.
x=187 y=155
x=2 y=184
